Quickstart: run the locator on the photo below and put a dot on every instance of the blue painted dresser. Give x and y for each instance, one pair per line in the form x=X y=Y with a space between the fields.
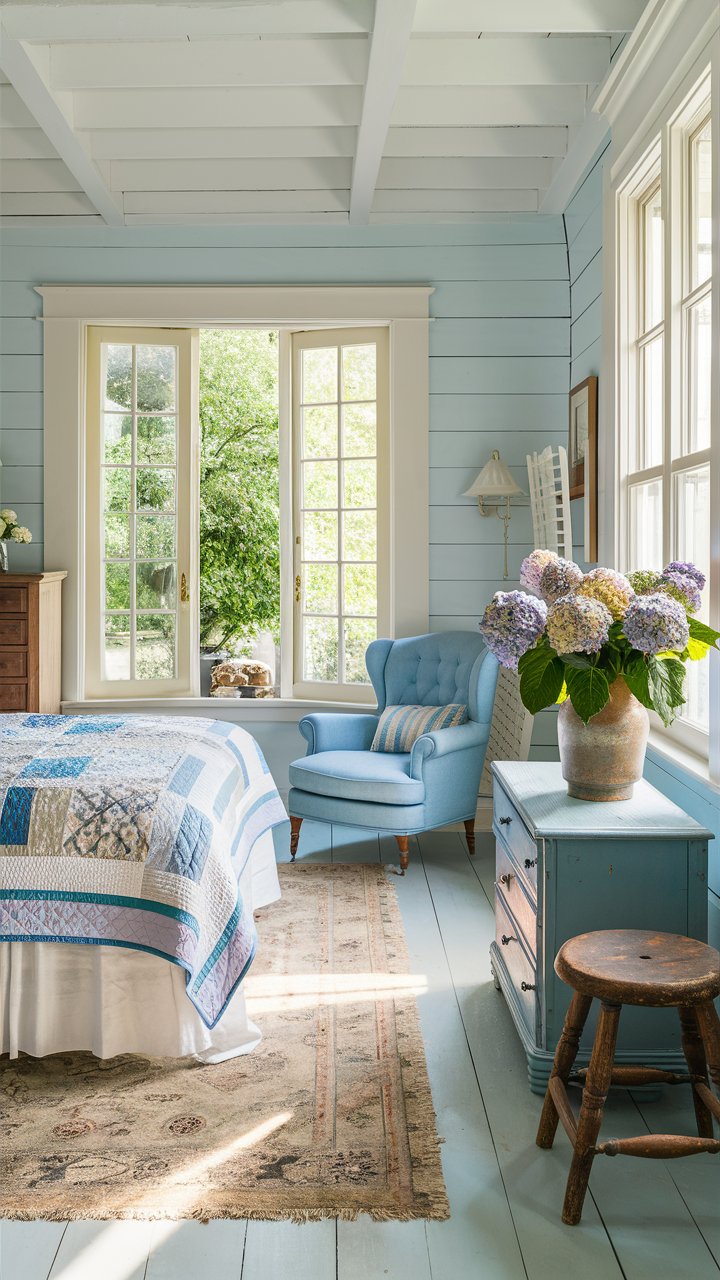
x=566 y=866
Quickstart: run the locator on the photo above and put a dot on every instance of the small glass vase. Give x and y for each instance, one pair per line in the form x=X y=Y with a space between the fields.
x=4 y=568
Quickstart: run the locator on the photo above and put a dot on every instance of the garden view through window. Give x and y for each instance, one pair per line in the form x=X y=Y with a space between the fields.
x=144 y=571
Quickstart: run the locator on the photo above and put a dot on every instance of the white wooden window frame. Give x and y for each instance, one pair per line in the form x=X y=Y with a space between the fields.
x=68 y=311
x=652 y=103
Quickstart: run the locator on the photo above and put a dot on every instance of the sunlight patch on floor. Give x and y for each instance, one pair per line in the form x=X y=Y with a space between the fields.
x=276 y=993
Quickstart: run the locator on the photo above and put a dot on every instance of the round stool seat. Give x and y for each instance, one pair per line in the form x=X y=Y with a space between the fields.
x=635 y=966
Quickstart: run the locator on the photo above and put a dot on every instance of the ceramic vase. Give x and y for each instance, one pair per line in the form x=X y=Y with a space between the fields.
x=603 y=759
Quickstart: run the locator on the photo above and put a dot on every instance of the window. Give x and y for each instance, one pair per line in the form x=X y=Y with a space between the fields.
x=140 y=517
x=147 y=501
x=665 y=375
x=340 y=510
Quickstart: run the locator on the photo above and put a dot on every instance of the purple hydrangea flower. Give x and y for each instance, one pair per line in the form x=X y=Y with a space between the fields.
x=559 y=578
x=656 y=622
x=532 y=567
x=690 y=570
x=511 y=624
x=682 y=588
x=578 y=624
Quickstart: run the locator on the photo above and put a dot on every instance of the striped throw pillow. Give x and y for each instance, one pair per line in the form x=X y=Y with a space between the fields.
x=398 y=727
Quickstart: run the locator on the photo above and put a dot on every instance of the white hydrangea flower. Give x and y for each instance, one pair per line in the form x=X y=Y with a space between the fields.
x=3 y=527
x=21 y=534
x=8 y=516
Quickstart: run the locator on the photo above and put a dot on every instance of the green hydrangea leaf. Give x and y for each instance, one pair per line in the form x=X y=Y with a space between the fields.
x=589 y=691
x=637 y=679
x=667 y=681
x=696 y=649
x=701 y=631
x=541 y=678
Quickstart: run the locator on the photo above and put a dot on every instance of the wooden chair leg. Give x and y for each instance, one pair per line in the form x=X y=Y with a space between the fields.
x=709 y=1026
x=470 y=835
x=295 y=825
x=694 y=1051
x=597 y=1084
x=403 y=846
x=565 y=1055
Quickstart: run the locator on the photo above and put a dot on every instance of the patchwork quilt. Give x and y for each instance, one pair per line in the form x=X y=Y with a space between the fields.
x=133 y=831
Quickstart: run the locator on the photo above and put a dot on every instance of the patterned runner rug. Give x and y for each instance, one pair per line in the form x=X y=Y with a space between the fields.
x=330 y=1116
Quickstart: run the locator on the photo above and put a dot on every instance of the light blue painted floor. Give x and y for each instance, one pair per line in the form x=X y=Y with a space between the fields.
x=644 y=1220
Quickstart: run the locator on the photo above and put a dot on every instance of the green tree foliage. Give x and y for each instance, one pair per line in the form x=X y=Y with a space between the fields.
x=239 y=487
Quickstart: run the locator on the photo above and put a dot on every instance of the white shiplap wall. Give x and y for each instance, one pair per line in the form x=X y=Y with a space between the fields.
x=499 y=343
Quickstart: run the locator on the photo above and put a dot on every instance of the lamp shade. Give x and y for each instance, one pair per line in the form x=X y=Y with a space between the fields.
x=494 y=481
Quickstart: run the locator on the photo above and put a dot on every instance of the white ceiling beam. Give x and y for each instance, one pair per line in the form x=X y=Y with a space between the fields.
x=586 y=142
x=234 y=219
x=204 y=108
x=30 y=86
x=200 y=63
x=466 y=172
x=223 y=144
x=463 y=106
x=388 y=47
x=229 y=175
x=507 y=141
x=159 y=21
x=498 y=61
x=570 y=16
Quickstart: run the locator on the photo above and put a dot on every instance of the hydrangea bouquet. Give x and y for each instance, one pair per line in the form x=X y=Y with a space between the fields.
x=10 y=529
x=577 y=632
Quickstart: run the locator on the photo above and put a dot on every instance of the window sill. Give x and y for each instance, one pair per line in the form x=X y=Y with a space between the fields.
x=686 y=765
x=239 y=710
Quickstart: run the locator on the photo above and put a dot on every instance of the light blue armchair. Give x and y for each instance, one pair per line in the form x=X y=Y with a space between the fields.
x=342 y=780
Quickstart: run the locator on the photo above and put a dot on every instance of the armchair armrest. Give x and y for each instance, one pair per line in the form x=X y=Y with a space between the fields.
x=326 y=731
x=443 y=742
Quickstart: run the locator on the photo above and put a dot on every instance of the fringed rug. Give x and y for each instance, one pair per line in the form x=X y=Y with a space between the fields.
x=330 y=1116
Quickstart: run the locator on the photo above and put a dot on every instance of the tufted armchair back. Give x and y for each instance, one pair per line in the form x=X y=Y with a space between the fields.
x=434 y=670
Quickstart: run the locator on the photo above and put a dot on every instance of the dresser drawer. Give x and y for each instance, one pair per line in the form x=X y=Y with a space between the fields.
x=518 y=963
x=13 y=599
x=510 y=889
x=13 y=697
x=13 y=631
x=508 y=824
x=13 y=662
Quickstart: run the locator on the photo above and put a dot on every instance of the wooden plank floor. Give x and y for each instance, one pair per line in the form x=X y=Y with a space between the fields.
x=642 y=1219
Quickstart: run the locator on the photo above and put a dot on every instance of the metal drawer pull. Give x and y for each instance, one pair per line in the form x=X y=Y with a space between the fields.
x=506 y=878
x=528 y=986
x=530 y=862
x=505 y=822
x=505 y=940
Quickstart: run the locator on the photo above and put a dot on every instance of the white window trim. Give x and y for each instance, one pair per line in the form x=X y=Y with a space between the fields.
x=664 y=61
x=69 y=310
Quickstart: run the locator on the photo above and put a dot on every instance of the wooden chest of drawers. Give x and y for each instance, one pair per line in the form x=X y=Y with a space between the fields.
x=566 y=866
x=30 y=632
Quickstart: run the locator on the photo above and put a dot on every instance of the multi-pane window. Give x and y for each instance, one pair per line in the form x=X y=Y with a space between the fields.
x=668 y=375
x=138 y=517
x=339 y=428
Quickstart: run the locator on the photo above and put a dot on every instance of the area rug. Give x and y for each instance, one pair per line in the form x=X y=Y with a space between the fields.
x=330 y=1116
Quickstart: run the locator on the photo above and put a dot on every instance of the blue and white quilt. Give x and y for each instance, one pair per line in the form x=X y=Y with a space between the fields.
x=133 y=831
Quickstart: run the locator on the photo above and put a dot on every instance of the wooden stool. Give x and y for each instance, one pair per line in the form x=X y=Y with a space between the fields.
x=628 y=966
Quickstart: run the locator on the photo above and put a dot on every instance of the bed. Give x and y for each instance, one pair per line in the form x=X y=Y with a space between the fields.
x=133 y=853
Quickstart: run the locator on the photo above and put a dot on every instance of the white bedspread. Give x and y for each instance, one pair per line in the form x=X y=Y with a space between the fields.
x=57 y=996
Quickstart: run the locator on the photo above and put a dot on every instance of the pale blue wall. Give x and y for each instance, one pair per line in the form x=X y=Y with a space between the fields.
x=499 y=345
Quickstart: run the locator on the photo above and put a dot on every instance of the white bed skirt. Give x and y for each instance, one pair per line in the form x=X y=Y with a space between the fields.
x=57 y=997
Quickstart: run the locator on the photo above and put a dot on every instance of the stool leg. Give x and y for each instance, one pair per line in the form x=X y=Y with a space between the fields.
x=597 y=1084
x=694 y=1051
x=565 y=1055
x=709 y=1024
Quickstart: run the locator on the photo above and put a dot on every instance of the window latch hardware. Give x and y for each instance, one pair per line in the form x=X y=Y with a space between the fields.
x=297 y=588
x=184 y=593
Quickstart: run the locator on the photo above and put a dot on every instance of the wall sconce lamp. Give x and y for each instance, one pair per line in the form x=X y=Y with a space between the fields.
x=495 y=481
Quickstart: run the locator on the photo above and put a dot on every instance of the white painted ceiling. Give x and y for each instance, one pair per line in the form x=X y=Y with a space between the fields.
x=297 y=111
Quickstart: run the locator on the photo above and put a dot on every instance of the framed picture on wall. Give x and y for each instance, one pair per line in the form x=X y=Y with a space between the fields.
x=582 y=456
